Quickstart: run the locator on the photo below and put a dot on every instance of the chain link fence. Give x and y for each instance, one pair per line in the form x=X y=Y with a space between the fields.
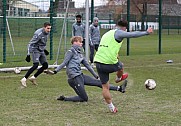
x=23 y=18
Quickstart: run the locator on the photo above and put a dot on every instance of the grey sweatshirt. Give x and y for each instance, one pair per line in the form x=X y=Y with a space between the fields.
x=73 y=60
x=94 y=35
x=38 y=41
x=120 y=34
x=78 y=29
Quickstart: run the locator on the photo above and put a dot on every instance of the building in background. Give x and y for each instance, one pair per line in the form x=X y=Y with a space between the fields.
x=21 y=8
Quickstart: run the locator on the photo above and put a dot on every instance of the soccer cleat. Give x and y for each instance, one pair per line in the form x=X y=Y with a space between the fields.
x=123 y=77
x=123 y=86
x=23 y=82
x=61 y=98
x=115 y=110
x=33 y=80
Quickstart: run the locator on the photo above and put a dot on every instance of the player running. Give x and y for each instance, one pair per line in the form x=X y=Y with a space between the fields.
x=37 y=49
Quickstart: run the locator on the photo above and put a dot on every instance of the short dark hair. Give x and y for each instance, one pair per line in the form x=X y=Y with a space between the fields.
x=122 y=23
x=78 y=16
x=46 y=24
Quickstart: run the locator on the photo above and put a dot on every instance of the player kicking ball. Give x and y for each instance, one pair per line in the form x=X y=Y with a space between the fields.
x=76 y=79
x=106 y=58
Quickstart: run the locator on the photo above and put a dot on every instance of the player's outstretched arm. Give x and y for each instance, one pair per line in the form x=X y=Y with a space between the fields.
x=91 y=70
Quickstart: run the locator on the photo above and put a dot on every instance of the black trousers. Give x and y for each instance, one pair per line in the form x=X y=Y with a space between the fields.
x=78 y=83
x=92 y=49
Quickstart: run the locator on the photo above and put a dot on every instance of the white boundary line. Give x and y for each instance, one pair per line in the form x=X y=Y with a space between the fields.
x=169 y=64
x=83 y=68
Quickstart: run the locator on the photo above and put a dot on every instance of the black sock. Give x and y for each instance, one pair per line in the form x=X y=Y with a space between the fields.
x=30 y=71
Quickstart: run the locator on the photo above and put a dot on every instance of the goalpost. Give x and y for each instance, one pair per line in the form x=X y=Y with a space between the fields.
x=9 y=27
x=9 y=33
x=63 y=32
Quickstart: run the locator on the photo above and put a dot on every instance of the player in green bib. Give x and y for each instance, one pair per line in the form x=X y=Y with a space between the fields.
x=106 y=58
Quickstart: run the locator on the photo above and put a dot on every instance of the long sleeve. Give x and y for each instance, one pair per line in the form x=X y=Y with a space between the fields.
x=73 y=30
x=86 y=64
x=120 y=34
x=67 y=58
x=34 y=40
x=90 y=35
x=83 y=31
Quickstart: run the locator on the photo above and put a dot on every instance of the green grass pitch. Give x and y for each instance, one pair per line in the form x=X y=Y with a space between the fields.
x=37 y=105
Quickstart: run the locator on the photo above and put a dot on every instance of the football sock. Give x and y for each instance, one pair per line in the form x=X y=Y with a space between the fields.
x=34 y=67
x=111 y=106
x=118 y=88
x=118 y=78
x=39 y=72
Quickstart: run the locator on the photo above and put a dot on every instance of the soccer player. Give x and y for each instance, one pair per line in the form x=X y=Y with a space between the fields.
x=94 y=38
x=37 y=49
x=106 y=58
x=76 y=79
x=78 y=29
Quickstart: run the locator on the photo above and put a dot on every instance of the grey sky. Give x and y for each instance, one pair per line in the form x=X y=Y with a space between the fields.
x=44 y=4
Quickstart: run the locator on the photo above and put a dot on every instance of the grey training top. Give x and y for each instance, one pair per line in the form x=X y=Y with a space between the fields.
x=78 y=29
x=38 y=42
x=120 y=34
x=94 y=35
x=73 y=60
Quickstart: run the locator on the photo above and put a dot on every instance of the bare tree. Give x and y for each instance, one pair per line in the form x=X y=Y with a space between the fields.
x=142 y=10
x=116 y=7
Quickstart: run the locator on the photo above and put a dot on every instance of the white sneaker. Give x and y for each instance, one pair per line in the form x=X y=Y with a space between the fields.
x=23 y=82
x=33 y=80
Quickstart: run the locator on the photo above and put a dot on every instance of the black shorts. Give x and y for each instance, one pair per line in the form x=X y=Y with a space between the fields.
x=104 y=70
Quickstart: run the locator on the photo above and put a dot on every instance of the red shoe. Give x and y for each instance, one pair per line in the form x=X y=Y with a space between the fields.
x=123 y=77
x=115 y=110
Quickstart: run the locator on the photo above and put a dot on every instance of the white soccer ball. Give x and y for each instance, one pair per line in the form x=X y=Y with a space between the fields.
x=150 y=84
x=17 y=70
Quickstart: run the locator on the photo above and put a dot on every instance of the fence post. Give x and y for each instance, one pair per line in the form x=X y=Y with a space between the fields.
x=92 y=10
x=110 y=20
x=128 y=19
x=160 y=27
x=51 y=32
x=4 y=31
x=168 y=25
x=178 y=24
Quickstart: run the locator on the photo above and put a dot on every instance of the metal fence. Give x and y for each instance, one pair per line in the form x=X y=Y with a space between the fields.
x=20 y=19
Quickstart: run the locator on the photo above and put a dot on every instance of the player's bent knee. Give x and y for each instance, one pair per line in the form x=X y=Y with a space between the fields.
x=45 y=65
x=85 y=99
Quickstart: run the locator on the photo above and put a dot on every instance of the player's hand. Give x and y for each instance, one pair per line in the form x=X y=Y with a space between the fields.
x=150 y=30
x=97 y=77
x=46 y=52
x=28 y=59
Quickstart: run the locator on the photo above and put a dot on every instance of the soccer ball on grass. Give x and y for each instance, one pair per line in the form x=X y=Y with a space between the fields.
x=150 y=84
x=17 y=70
